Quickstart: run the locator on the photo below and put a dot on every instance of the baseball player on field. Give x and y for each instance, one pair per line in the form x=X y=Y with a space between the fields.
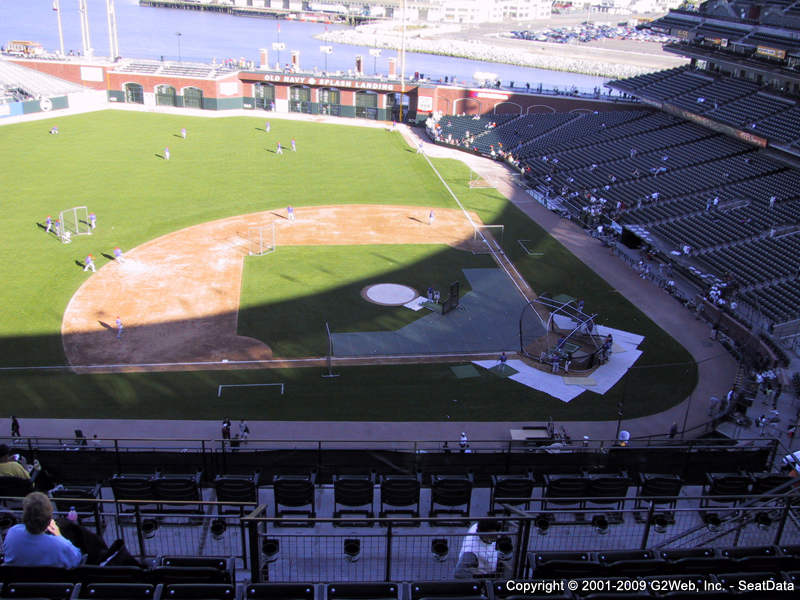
x=266 y=127
x=48 y=224
x=280 y=149
x=92 y=220
x=290 y=212
x=118 y=255
x=294 y=145
x=166 y=153
x=431 y=217
x=118 y=323
x=89 y=264
x=183 y=132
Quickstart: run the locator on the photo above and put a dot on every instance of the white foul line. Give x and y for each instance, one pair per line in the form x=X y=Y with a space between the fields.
x=475 y=228
x=219 y=390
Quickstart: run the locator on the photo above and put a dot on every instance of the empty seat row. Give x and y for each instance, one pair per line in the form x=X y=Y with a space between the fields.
x=633 y=563
x=165 y=570
x=258 y=591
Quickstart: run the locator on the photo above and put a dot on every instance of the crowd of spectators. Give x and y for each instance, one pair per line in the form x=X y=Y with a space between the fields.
x=443 y=130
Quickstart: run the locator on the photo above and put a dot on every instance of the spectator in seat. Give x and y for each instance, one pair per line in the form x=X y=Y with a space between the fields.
x=38 y=542
x=10 y=467
x=480 y=543
x=467 y=566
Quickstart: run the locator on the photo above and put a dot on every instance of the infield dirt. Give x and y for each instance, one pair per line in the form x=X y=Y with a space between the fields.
x=178 y=295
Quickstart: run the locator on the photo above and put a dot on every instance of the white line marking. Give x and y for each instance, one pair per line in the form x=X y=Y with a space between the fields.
x=475 y=227
x=277 y=361
x=219 y=389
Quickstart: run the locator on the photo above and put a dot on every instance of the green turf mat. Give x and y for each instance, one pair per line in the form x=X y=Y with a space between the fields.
x=465 y=371
x=503 y=370
x=433 y=306
x=563 y=298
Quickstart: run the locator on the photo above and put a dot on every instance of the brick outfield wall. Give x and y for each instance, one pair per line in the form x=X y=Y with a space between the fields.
x=444 y=98
x=69 y=71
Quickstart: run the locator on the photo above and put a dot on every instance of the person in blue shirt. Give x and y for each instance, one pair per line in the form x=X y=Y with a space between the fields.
x=38 y=542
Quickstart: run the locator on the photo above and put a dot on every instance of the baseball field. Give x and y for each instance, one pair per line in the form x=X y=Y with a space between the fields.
x=189 y=293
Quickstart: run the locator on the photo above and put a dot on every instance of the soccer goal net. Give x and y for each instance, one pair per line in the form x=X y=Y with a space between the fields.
x=488 y=238
x=73 y=221
x=261 y=240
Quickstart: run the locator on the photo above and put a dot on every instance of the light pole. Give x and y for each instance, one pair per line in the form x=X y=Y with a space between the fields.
x=57 y=8
x=375 y=53
x=178 y=34
x=326 y=50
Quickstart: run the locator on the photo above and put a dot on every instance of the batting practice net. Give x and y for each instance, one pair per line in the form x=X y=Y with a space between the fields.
x=476 y=181
x=73 y=221
x=261 y=240
x=488 y=238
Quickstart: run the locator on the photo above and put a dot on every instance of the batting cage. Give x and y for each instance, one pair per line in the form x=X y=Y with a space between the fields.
x=557 y=333
x=73 y=221
x=261 y=240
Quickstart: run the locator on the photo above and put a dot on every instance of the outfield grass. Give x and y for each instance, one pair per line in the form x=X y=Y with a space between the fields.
x=107 y=161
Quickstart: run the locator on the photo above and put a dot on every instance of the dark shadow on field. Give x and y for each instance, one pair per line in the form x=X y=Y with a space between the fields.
x=80 y=263
x=273 y=151
x=296 y=327
x=161 y=156
x=280 y=216
x=177 y=135
x=41 y=226
x=418 y=220
x=108 y=256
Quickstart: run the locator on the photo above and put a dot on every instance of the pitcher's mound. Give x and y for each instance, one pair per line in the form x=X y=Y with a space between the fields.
x=389 y=294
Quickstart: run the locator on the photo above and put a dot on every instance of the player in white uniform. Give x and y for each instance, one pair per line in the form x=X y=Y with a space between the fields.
x=118 y=323
x=48 y=224
x=89 y=264
x=118 y=255
x=166 y=153
x=280 y=149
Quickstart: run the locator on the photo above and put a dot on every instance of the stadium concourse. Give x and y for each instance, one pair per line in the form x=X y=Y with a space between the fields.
x=717 y=369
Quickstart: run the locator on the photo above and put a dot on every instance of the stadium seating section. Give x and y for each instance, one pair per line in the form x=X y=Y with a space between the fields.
x=673 y=182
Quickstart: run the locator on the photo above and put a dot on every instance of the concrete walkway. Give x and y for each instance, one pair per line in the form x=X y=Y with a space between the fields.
x=716 y=368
